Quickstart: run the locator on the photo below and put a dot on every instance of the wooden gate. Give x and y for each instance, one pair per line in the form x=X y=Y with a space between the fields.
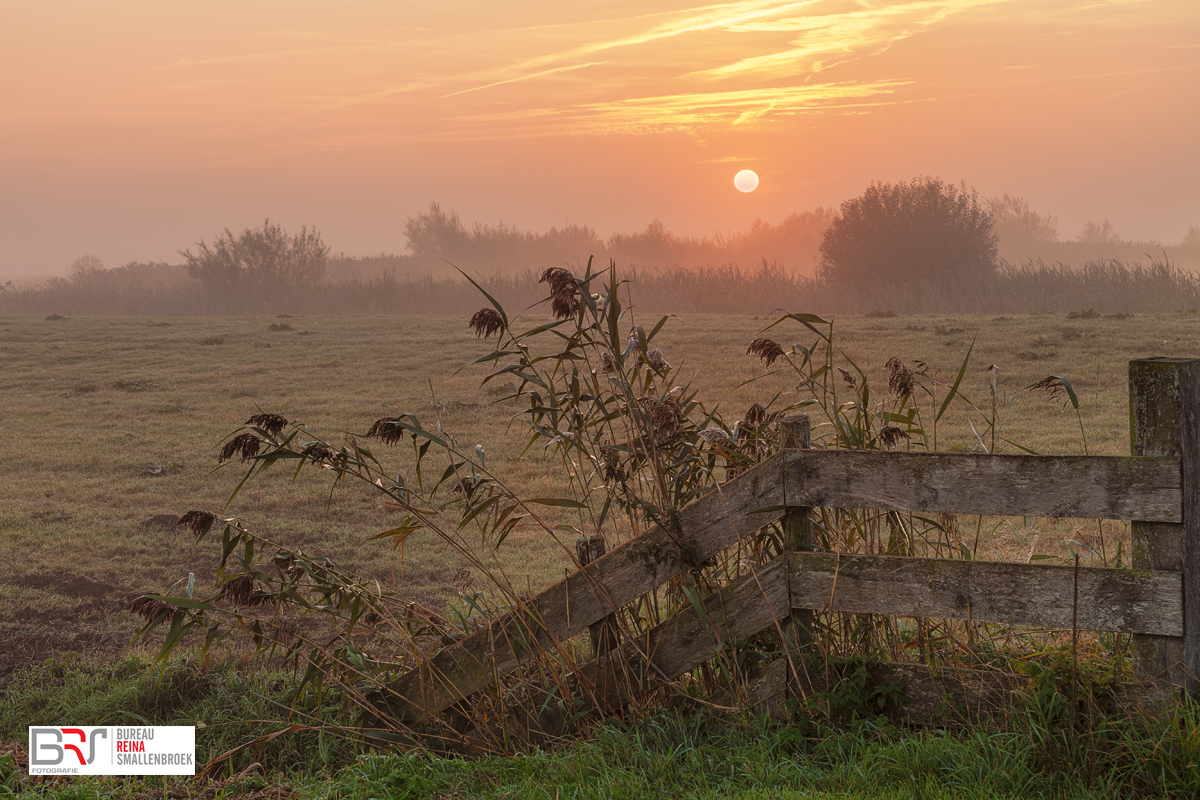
x=1157 y=601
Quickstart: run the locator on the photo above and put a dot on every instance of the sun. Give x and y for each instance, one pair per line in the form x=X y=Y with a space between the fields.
x=746 y=180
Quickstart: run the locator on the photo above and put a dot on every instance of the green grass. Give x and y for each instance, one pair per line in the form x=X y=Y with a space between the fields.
x=673 y=757
x=663 y=754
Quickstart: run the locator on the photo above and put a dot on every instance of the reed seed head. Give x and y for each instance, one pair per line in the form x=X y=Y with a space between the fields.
x=755 y=416
x=767 y=350
x=900 y=377
x=608 y=363
x=388 y=430
x=148 y=608
x=993 y=372
x=714 y=435
x=198 y=522
x=564 y=306
x=486 y=322
x=665 y=415
x=558 y=279
x=848 y=378
x=757 y=419
x=891 y=435
x=564 y=292
x=271 y=423
x=243 y=591
x=244 y=445
x=319 y=452
x=1053 y=388
x=239 y=589
x=655 y=357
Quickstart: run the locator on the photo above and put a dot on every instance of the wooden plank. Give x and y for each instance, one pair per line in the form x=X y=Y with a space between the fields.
x=796 y=433
x=1094 y=487
x=743 y=608
x=604 y=634
x=712 y=523
x=1128 y=601
x=1164 y=412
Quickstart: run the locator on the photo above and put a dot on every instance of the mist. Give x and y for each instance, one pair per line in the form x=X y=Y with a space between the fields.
x=763 y=267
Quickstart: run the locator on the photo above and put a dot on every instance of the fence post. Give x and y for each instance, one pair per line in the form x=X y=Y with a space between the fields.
x=795 y=433
x=603 y=634
x=1164 y=420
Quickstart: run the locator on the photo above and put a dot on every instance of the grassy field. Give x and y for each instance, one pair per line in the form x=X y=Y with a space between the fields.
x=110 y=427
x=109 y=424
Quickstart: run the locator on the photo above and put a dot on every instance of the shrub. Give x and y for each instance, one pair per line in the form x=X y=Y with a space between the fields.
x=899 y=234
x=260 y=260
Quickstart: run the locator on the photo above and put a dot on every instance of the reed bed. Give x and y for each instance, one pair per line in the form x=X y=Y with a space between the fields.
x=1029 y=287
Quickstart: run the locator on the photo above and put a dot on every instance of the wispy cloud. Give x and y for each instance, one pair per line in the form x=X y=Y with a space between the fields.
x=739 y=107
x=726 y=65
x=859 y=32
x=689 y=111
x=792 y=42
x=530 y=76
x=727 y=17
x=647 y=29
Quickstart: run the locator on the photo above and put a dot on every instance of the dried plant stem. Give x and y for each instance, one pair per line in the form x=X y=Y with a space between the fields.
x=1074 y=653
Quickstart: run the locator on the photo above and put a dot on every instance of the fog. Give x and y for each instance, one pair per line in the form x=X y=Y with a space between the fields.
x=131 y=135
x=1027 y=267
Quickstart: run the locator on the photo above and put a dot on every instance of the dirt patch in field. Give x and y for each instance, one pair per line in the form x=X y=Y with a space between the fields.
x=29 y=634
x=76 y=586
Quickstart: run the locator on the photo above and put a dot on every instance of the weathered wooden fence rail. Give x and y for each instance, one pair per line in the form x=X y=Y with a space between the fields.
x=1124 y=601
x=1094 y=487
x=1158 y=601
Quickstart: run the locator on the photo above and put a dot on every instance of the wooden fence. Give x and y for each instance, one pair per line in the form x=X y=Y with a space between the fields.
x=1157 y=601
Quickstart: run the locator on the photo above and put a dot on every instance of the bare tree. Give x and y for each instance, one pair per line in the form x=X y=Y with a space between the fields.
x=1192 y=237
x=435 y=235
x=1022 y=232
x=85 y=267
x=1098 y=233
x=259 y=260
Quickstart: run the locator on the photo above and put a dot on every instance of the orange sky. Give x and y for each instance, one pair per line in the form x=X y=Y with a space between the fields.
x=131 y=130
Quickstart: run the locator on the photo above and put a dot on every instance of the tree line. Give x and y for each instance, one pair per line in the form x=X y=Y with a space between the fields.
x=922 y=232
x=893 y=234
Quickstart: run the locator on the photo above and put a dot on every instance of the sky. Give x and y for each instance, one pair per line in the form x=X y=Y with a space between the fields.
x=133 y=130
